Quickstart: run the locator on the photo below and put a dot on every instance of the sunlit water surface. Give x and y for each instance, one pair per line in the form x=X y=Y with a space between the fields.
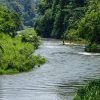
x=67 y=68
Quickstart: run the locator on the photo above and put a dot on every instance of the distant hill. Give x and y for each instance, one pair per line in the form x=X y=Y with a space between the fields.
x=25 y=8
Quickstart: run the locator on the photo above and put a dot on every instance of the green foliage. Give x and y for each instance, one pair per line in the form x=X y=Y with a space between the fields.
x=71 y=35
x=89 y=92
x=9 y=21
x=44 y=5
x=62 y=16
x=16 y=51
x=25 y=8
x=44 y=24
x=17 y=56
x=73 y=20
x=57 y=29
x=30 y=36
x=93 y=48
x=89 y=26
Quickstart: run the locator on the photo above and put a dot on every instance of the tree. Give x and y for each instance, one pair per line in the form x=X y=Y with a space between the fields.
x=9 y=21
x=89 y=26
x=64 y=15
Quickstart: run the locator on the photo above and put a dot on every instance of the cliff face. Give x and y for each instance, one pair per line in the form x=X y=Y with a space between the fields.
x=25 y=8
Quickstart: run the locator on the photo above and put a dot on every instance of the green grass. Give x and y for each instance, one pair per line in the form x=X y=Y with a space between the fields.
x=89 y=92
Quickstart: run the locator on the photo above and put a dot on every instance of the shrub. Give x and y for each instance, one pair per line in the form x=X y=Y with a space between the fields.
x=30 y=36
x=71 y=35
x=9 y=21
x=93 y=48
x=17 y=56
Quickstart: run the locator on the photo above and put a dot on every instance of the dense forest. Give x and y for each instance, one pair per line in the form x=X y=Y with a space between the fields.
x=70 y=20
x=25 y=8
x=58 y=16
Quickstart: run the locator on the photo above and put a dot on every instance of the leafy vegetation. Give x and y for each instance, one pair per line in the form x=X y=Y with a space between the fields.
x=58 y=16
x=17 y=56
x=16 y=51
x=89 y=92
x=71 y=20
x=30 y=36
x=25 y=8
x=89 y=26
x=9 y=21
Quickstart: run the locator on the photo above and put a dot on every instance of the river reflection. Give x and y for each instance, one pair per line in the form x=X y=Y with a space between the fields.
x=67 y=69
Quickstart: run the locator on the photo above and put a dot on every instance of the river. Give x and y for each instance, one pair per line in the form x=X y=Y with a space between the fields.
x=67 y=68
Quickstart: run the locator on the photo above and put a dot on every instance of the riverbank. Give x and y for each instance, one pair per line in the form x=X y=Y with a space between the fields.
x=58 y=79
x=73 y=42
x=90 y=92
x=17 y=54
x=88 y=47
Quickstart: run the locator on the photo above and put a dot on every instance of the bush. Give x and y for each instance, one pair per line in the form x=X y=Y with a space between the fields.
x=17 y=56
x=93 y=48
x=30 y=36
x=71 y=35
x=9 y=21
x=89 y=25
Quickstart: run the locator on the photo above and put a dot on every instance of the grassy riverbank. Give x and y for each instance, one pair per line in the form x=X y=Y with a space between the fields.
x=17 y=54
x=89 y=92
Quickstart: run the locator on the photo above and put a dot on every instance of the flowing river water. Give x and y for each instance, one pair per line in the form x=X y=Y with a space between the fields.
x=67 y=68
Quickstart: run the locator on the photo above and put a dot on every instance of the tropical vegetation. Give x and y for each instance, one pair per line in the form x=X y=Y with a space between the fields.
x=16 y=50
x=73 y=20
x=25 y=8
x=70 y=20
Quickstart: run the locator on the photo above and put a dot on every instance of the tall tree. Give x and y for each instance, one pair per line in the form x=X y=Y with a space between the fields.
x=63 y=16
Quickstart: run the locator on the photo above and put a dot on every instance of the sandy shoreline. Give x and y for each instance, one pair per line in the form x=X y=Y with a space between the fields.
x=73 y=44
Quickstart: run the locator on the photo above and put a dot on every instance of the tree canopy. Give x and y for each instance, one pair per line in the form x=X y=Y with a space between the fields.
x=57 y=16
x=9 y=21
